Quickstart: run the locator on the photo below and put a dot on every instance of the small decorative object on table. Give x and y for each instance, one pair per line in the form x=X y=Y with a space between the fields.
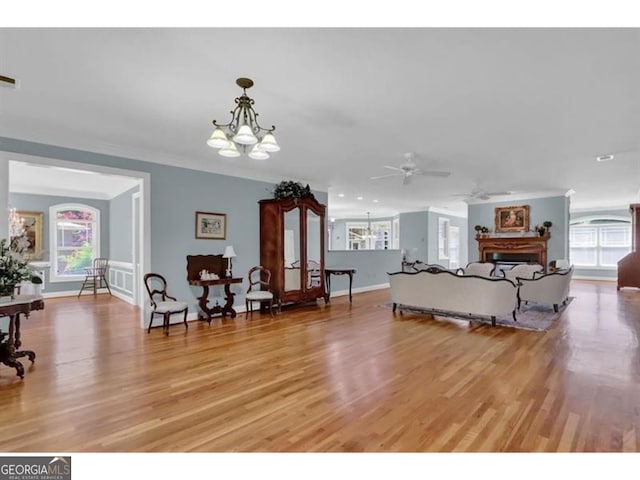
x=229 y=253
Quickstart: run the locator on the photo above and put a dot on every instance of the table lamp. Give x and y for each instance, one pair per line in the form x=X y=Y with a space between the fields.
x=229 y=253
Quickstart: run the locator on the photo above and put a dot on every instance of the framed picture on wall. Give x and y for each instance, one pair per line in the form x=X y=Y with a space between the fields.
x=211 y=226
x=512 y=219
x=32 y=222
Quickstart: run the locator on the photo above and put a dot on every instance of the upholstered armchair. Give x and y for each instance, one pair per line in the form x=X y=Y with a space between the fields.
x=550 y=288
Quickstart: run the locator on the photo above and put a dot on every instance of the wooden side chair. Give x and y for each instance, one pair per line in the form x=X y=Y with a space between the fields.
x=259 y=289
x=97 y=275
x=167 y=305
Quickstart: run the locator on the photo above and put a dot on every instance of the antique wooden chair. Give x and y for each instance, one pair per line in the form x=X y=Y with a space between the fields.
x=259 y=289
x=97 y=275
x=167 y=305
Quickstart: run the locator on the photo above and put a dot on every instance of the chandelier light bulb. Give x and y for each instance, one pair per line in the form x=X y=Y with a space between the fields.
x=229 y=151
x=218 y=139
x=245 y=136
x=269 y=143
x=257 y=153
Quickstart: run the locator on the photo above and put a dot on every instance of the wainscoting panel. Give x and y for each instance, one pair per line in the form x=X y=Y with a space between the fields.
x=121 y=280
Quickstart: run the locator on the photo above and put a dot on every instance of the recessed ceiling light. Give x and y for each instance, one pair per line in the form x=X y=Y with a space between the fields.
x=341 y=195
x=360 y=198
x=604 y=158
x=375 y=201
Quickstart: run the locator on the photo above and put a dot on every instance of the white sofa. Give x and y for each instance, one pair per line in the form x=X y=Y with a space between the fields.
x=481 y=269
x=523 y=271
x=444 y=292
x=550 y=288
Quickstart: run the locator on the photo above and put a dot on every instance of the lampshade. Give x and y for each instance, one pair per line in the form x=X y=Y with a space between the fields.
x=245 y=136
x=257 y=153
x=269 y=143
x=218 y=139
x=229 y=252
x=229 y=151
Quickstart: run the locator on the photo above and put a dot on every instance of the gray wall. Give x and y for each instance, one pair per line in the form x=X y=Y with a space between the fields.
x=121 y=228
x=554 y=209
x=41 y=203
x=599 y=272
x=371 y=267
x=414 y=235
x=176 y=194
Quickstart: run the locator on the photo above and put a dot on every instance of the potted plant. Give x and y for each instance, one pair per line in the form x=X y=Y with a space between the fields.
x=547 y=224
x=14 y=267
x=485 y=231
x=291 y=189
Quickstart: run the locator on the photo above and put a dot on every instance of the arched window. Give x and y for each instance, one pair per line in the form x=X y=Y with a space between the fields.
x=599 y=241
x=74 y=240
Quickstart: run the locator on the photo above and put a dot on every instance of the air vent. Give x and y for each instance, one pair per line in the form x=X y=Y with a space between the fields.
x=604 y=158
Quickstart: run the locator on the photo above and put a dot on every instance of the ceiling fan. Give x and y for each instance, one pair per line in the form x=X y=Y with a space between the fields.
x=480 y=194
x=409 y=169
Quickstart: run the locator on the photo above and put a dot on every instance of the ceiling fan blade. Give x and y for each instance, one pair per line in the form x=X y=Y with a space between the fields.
x=393 y=168
x=385 y=176
x=431 y=173
x=492 y=194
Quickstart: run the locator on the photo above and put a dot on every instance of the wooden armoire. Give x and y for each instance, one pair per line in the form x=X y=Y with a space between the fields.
x=629 y=266
x=292 y=233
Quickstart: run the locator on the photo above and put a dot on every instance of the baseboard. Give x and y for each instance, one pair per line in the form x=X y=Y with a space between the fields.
x=586 y=277
x=368 y=288
x=71 y=293
x=122 y=296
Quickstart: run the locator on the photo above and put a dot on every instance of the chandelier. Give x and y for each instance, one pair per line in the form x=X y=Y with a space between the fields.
x=243 y=130
x=370 y=234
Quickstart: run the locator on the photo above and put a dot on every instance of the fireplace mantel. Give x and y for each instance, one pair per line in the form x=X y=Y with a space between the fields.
x=536 y=247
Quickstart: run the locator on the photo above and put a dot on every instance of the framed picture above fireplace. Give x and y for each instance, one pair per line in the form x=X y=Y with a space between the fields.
x=512 y=219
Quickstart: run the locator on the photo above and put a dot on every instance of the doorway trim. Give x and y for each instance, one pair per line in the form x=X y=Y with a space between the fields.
x=145 y=196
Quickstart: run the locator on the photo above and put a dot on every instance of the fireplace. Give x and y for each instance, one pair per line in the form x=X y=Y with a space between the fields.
x=511 y=257
x=512 y=250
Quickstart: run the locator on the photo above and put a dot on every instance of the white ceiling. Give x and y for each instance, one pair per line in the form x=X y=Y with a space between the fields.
x=62 y=181
x=522 y=110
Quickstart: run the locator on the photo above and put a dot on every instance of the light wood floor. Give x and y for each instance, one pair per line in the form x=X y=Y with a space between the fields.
x=327 y=378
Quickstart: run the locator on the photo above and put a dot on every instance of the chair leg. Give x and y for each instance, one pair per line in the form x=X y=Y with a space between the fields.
x=106 y=284
x=167 y=316
x=150 y=322
x=84 y=283
x=246 y=308
x=186 y=325
x=271 y=307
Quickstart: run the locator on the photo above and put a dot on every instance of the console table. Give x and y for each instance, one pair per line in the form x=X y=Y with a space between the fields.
x=338 y=270
x=207 y=312
x=21 y=304
x=213 y=264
